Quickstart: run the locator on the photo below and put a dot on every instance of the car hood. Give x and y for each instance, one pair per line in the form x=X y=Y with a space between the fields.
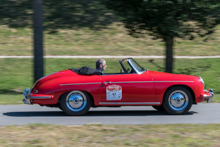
x=162 y=76
x=156 y=72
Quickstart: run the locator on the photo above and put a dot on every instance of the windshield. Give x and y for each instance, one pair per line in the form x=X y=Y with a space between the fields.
x=136 y=66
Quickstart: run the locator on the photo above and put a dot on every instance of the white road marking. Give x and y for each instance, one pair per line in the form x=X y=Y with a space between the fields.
x=136 y=57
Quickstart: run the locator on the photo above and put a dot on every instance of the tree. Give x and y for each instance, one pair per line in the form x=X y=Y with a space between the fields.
x=38 y=39
x=168 y=19
x=58 y=14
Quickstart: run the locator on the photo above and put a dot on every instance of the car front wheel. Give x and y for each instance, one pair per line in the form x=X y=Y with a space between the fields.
x=177 y=100
x=75 y=103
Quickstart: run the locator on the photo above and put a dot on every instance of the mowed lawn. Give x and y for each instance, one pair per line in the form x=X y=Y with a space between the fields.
x=17 y=74
x=114 y=40
x=175 y=135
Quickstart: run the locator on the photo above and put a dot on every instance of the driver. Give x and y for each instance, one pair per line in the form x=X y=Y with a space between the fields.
x=101 y=65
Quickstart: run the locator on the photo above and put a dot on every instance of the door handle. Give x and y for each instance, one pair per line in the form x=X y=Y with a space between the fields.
x=106 y=83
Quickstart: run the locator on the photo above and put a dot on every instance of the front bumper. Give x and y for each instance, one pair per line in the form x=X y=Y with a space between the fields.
x=208 y=95
x=28 y=96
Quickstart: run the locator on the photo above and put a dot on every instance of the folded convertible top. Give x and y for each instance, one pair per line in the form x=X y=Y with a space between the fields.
x=86 y=71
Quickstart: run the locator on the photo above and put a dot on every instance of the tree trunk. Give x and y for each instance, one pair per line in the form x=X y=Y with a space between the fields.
x=169 y=53
x=38 y=39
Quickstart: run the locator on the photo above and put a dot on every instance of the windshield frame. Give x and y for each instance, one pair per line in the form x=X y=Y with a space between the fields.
x=134 y=65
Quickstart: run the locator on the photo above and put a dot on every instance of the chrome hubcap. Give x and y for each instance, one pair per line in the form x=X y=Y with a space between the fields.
x=76 y=101
x=178 y=100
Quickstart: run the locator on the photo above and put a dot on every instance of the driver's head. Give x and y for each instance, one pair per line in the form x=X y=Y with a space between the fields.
x=101 y=64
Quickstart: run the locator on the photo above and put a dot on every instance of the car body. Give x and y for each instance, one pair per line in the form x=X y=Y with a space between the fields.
x=75 y=93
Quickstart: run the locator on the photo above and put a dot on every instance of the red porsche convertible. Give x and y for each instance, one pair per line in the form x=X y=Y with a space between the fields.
x=76 y=90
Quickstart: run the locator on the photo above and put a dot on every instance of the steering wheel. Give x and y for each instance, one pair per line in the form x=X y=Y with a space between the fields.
x=128 y=70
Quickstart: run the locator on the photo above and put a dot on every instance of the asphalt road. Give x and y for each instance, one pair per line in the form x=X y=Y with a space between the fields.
x=27 y=114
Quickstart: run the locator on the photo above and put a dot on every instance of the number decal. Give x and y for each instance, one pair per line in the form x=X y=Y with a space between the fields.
x=113 y=92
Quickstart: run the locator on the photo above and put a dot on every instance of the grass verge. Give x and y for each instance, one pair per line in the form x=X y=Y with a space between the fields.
x=17 y=74
x=180 y=135
x=111 y=41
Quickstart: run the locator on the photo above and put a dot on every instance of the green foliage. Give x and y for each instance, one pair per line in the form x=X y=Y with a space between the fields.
x=178 y=18
x=16 y=13
x=181 y=135
x=58 y=14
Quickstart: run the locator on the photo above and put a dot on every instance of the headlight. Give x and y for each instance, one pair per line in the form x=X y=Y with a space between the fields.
x=202 y=82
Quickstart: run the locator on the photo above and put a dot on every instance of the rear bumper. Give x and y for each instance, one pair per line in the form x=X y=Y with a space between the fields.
x=208 y=95
x=28 y=96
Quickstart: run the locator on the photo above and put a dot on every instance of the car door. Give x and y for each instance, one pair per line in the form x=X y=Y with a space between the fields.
x=127 y=89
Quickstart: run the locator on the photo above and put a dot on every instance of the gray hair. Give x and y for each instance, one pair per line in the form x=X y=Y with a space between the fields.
x=99 y=62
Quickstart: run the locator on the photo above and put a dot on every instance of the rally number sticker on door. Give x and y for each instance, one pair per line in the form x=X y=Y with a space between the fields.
x=113 y=92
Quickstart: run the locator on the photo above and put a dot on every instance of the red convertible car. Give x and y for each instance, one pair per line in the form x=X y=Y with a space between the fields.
x=76 y=90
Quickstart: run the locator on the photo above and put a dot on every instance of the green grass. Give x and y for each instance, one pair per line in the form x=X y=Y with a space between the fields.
x=17 y=74
x=7 y=99
x=114 y=40
x=181 y=135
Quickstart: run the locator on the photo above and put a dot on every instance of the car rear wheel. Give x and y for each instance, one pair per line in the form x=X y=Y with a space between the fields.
x=177 y=100
x=75 y=103
x=158 y=108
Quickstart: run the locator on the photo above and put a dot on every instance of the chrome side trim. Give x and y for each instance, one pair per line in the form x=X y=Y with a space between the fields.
x=121 y=103
x=107 y=82
x=149 y=82
x=79 y=84
x=124 y=82
x=38 y=97
x=133 y=82
x=171 y=81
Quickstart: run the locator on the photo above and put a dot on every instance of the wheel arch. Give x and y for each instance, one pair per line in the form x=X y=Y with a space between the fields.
x=189 y=88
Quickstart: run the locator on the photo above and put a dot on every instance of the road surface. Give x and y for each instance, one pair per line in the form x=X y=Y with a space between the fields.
x=202 y=113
